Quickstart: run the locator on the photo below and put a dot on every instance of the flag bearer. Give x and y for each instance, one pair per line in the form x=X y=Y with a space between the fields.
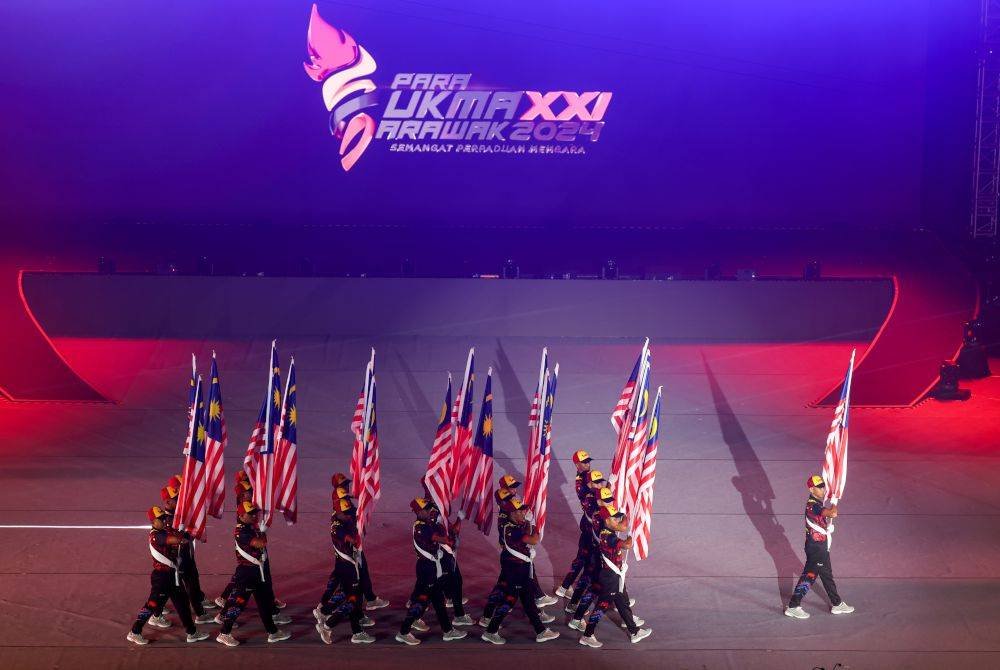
x=345 y=602
x=818 y=529
x=250 y=579
x=586 y=482
x=190 y=579
x=372 y=601
x=165 y=582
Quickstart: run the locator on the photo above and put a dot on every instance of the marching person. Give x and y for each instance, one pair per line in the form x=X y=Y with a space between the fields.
x=428 y=539
x=511 y=484
x=586 y=480
x=345 y=580
x=609 y=586
x=244 y=494
x=517 y=572
x=250 y=579
x=186 y=564
x=165 y=582
x=583 y=596
x=818 y=529
x=372 y=601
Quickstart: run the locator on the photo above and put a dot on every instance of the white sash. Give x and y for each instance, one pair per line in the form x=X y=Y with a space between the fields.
x=251 y=559
x=618 y=571
x=160 y=558
x=529 y=558
x=357 y=568
x=436 y=559
x=825 y=532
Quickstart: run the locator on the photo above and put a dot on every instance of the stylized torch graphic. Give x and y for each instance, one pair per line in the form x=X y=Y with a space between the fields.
x=342 y=66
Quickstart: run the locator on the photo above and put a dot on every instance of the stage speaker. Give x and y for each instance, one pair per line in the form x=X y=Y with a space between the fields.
x=973 y=362
x=105 y=266
x=812 y=270
x=746 y=275
x=609 y=270
x=947 y=386
x=510 y=270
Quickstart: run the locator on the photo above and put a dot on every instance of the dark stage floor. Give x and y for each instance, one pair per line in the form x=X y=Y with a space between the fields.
x=916 y=550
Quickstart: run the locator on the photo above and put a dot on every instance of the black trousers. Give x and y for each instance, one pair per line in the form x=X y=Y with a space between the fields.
x=606 y=592
x=427 y=590
x=163 y=587
x=190 y=578
x=517 y=580
x=584 y=547
x=453 y=583
x=248 y=583
x=226 y=592
x=817 y=565
x=345 y=602
x=366 y=579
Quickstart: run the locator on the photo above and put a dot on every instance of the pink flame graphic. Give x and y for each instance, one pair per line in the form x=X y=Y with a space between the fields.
x=336 y=58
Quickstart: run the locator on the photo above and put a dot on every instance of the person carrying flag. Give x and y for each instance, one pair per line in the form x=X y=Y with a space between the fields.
x=610 y=583
x=818 y=520
x=428 y=539
x=345 y=603
x=583 y=487
x=517 y=573
x=588 y=552
x=165 y=582
x=343 y=527
x=250 y=579
x=187 y=567
x=372 y=601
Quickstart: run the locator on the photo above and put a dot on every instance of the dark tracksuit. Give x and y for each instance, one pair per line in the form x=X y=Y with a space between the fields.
x=247 y=581
x=190 y=579
x=586 y=589
x=346 y=576
x=429 y=587
x=516 y=575
x=586 y=546
x=163 y=584
x=496 y=594
x=817 y=557
x=609 y=587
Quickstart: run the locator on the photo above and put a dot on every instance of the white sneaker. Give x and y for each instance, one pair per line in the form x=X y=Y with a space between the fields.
x=796 y=613
x=227 y=640
x=407 y=639
x=165 y=611
x=281 y=619
x=637 y=619
x=218 y=620
x=641 y=634
x=545 y=601
x=220 y=602
x=483 y=622
x=362 y=638
x=454 y=634
x=279 y=636
x=376 y=604
x=546 y=635
x=842 y=608
x=591 y=641
x=318 y=614
x=631 y=602
x=577 y=624
x=159 y=622
x=564 y=593
x=570 y=609
x=464 y=620
x=324 y=633
x=367 y=622
x=136 y=638
x=197 y=637
x=545 y=617
x=211 y=604
x=204 y=618
x=449 y=603
x=420 y=626
x=493 y=638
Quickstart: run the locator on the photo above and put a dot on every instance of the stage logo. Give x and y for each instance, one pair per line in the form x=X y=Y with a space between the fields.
x=442 y=112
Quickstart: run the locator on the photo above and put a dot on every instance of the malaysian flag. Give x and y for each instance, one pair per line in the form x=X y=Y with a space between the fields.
x=642 y=518
x=619 y=416
x=215 y=445
x=835 y=463
x=286 y=462
x=358 y=426
x=537 y=482
x=462 y=446
x=479 y=499
x=191 y=385
x=632 y=447
x=370 y=471
x=534 y=417
x=262 y=442
x=438 y=476
x=191 y=503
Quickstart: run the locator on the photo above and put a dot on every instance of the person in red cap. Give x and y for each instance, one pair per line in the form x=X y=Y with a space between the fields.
x=582 y=569
x=585 y=544
x=818 y=529
x=609 y=586
x=372 y=601
x=250 y=580
x=190 y=578
x=346 y=578
x=164 y=580
x=429 y=539
x=519 y=540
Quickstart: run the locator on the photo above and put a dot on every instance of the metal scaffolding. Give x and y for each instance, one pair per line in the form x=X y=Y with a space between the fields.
x=986 y=152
